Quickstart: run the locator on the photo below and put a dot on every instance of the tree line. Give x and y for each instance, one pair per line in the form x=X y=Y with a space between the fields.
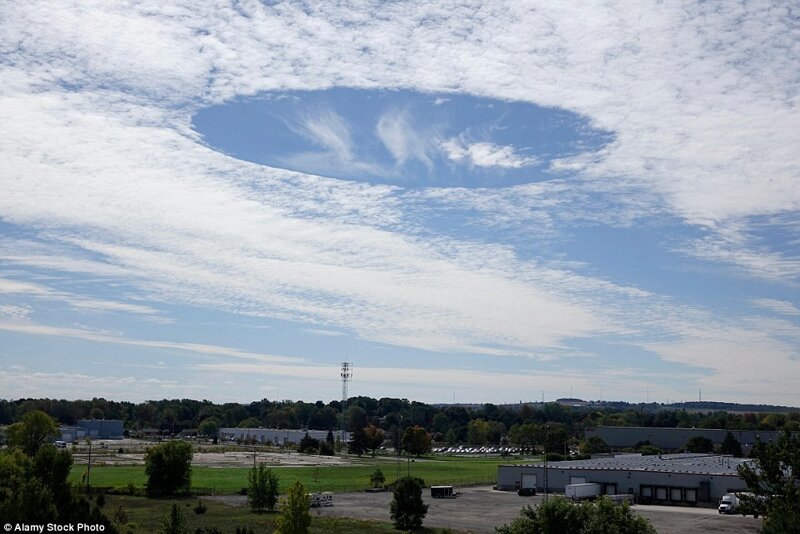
x=517 y=424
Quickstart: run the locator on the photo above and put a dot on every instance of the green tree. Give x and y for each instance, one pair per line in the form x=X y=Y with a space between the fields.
x=524 y=435
x=208 y=427
x=34 y=430
x=477 y=432
x=730 y=445
x=416 y=440
x=262 y=491
x=308 y=445
x=555 y=436
x=168 y=468
x=250 y=422
x=699 y=444
x=407 y=509
x=559 y=516
x=295 y=517
x=358 y=442
x=36 y=489
x=374 y=438
x=174 y=522
x=773 y=482
x=594 y=445
x=377 y=478
x=355 y=418
x=52 y=466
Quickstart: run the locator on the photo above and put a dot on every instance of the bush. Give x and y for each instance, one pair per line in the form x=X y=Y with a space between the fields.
x=377 y=478
x=407 y=509
x=308 y=445
x=649 y=450
x=101 y=500
x=201 y=508
x=699 y=444
x=295 y=517
x=557 y=515
x=325 y=449
x=174 y=522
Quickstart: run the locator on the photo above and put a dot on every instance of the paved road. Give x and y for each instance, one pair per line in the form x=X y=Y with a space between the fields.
x=480 y=509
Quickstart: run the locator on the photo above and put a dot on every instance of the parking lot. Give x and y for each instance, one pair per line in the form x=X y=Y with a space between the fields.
x=481 y=509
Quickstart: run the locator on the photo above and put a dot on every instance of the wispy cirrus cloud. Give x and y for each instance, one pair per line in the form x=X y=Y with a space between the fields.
x=402 y=140
x=776 y=305
x=105 y=337
x=42 y=292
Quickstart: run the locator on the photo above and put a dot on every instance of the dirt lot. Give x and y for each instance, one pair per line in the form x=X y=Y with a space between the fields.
x=106 y=452
x=480 y=509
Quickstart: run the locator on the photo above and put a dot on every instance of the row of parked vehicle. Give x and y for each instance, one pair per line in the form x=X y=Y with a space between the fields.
x=460 y=449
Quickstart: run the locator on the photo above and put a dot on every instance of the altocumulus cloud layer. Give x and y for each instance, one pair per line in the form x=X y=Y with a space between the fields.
x=123 y=233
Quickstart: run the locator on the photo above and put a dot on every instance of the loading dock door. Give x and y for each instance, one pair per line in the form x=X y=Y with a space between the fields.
x=704 y=491
x=528 y=480
x=577 y=480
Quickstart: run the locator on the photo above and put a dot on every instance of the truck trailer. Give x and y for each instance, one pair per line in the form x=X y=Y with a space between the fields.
x=580 y=492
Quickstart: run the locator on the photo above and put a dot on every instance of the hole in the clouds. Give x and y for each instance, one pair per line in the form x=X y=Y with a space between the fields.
x=399 y=137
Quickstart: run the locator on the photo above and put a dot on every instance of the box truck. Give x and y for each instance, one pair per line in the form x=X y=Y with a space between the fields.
x=728 y=504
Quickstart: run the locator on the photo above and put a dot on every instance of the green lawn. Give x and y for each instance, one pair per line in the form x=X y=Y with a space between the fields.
x=145 y=515
x=226 y=480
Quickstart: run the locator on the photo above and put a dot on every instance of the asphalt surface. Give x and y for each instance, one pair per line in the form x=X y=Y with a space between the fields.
x=481 y=509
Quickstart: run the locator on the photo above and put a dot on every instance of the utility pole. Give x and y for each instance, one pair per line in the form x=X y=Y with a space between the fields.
x=89 y=465
x=546 y=438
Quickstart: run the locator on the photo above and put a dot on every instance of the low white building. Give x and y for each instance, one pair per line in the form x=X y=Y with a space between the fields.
x=277 y=436
x=687 y=479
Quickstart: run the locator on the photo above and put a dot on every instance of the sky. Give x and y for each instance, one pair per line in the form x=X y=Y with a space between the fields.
x=471 y=202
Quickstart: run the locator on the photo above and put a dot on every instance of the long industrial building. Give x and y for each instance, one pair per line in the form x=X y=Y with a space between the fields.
x=685 y=479
x=673 y=439
x=279 y=436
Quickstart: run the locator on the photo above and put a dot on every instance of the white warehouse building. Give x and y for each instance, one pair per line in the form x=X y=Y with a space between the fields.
x=676 y=479
x=277 y=436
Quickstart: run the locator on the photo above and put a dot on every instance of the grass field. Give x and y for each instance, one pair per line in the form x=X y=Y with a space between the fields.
x=227 y=480
x=145 y=515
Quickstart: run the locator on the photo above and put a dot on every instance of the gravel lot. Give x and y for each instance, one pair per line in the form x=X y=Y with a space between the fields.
x=480 y=509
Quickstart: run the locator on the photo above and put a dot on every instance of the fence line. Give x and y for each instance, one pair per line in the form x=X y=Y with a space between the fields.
x=345 y=487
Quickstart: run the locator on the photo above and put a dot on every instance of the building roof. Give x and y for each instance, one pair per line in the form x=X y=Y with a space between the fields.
x=708 y=464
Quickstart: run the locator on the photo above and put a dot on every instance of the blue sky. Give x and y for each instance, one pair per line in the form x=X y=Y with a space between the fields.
x=491 y=203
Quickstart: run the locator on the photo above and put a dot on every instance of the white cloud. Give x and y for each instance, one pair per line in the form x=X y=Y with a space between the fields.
x=41 y=292
x=401 y=139
x=104 y=337
x=73 y=385
x=14 y=312
x=747 y=360
x=779 y=306
x=486 y=154
x=329 y=130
